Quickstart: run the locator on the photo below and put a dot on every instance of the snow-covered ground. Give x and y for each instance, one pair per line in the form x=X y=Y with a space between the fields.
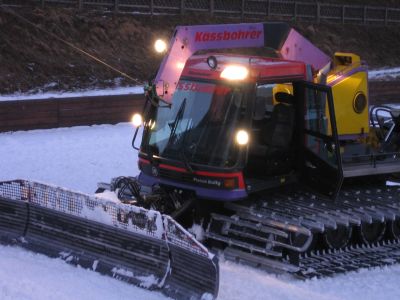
x=30 y=276
x=78 y=158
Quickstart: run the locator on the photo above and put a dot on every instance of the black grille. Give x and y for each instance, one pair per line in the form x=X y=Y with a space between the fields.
x=180 y=176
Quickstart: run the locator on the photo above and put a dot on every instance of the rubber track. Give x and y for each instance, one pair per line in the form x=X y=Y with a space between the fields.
x=247 y=234
x=318 y=264
x=350 y=259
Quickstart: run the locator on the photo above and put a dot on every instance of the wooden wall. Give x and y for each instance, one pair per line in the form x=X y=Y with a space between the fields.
x=381 y=92
x=65 y=112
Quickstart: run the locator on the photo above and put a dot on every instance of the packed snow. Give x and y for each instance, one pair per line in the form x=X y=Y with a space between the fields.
x=78 y=158
x=29 y=276
x=75 y=158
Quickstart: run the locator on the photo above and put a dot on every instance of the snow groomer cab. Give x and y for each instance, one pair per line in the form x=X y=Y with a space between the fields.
x=239 y=125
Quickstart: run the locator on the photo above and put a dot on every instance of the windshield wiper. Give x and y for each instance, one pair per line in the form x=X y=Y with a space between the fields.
x=177 y=120
x=186 y=162
x=174 y=127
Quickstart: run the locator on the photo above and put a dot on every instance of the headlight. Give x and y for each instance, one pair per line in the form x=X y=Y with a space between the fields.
x=137 y=120
x=235 y=73
x=242 y=137
x=160 y=46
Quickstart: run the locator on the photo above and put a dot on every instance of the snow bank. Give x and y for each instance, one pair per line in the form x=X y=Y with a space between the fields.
x=84 y=93
x=384 y=74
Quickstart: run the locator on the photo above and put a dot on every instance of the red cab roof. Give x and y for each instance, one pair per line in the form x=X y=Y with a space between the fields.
x=260 y=68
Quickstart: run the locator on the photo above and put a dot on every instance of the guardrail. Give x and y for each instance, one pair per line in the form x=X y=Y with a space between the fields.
x=66 y=112
x=274 y=9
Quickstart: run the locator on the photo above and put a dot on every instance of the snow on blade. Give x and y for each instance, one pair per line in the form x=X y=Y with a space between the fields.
x=178 y=236
x=198 y=231
x=145 y=281
x=122 y=216
x=109 y=195
x=162 y=248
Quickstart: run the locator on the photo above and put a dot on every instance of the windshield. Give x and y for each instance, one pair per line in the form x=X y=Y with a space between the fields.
x=200 y=125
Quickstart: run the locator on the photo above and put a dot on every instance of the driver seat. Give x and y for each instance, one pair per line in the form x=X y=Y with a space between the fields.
x=271 y=155
x=278 y=131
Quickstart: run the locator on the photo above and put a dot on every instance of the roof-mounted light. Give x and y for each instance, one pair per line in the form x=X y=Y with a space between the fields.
x=235 y=73
x=160 y=46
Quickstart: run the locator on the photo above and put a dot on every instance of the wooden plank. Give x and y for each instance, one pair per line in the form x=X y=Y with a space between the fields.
x=27 y=115
x=30 y=122
x=99 y=105
x=384 y=92
x=100 y=101
x=103 y=116
x=52 y=113
x=75 y=122
x=100 y=111
x=18 y=106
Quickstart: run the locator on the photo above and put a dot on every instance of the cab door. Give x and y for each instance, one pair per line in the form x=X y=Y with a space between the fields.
x=320 y=162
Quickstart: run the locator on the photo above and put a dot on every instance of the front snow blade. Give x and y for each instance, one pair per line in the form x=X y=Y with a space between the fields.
x=127 y=242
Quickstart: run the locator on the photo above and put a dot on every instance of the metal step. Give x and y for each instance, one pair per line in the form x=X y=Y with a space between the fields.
x=355 y=170
x=258 y=261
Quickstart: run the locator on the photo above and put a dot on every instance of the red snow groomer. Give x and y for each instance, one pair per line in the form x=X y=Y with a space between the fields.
x=280 y=160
